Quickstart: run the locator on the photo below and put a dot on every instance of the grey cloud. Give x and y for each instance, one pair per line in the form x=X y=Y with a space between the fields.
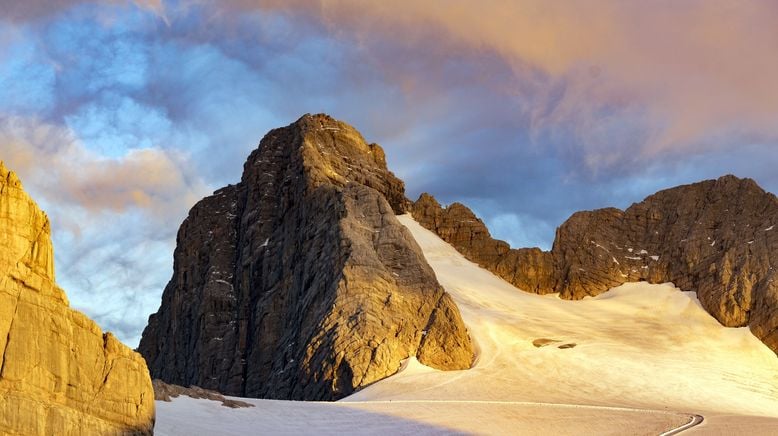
x=22 y=11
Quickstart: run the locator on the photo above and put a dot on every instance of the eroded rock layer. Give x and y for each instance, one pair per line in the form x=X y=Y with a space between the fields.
x=59 y=373
x=717 y=237
x=299 y=282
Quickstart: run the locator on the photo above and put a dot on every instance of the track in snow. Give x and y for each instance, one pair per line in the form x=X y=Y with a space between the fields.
x=644 y=356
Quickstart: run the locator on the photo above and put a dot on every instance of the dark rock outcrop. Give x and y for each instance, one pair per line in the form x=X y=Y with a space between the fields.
x=166 y=392
x=717 y=237
x=299 y=282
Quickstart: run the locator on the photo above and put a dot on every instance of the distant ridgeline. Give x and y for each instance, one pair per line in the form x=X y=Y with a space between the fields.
x=716 y=237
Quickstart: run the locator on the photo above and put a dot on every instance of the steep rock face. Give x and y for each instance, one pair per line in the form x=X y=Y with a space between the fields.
x=59 y=373
x=717 y=237
x=299 y=282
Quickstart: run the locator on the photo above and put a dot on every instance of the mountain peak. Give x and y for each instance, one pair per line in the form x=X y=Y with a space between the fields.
x=312 y=287
x=326 y=152
x=8 y=177
x=722 y=187
x=26 y=235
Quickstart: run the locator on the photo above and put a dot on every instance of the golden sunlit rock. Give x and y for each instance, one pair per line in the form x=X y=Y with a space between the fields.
x=59 y=373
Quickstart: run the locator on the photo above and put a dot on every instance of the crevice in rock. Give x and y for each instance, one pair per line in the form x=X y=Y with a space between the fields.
x=8 y=336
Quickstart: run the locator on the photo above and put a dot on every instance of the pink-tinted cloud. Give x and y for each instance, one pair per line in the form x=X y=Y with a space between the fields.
x=687 y=73
x=67 y=173
x=113 y=218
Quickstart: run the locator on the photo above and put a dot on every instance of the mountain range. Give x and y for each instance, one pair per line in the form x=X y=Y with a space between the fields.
x=312 y=279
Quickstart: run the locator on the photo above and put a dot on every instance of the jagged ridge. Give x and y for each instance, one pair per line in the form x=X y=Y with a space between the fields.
x=716 y=237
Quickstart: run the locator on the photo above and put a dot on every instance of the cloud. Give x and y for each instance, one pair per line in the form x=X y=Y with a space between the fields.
x=540 y=109
x=22 y=11
x=115 y=270
x=650 y=78
x=62 y=169
x=113 y=218
x=526 y=111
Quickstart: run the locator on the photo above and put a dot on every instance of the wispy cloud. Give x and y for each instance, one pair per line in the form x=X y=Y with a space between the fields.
x=112 y=217
x=649 y=77
x=156 y=180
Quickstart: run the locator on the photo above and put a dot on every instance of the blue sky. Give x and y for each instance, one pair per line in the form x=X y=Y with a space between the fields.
x=120 y=116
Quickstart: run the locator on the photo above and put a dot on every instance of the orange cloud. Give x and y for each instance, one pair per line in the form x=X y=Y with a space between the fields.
x=690 y=69
x=64 y=171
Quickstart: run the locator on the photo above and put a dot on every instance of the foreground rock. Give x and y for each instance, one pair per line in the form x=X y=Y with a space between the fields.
x=717 y=237
x=299 y=282
x=59 y=373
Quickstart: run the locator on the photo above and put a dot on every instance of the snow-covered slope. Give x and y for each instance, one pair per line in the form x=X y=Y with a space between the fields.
x=639 y=357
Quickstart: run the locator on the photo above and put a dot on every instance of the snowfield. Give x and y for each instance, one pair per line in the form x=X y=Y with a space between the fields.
x=638 y=359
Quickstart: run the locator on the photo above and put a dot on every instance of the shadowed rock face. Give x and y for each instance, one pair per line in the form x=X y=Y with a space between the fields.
x=59 y=373
x=299 y=282
x=717 y=237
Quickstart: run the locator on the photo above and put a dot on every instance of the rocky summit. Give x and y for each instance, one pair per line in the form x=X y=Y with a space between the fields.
x=299 y=282
x=59 y=373
x=717 y=237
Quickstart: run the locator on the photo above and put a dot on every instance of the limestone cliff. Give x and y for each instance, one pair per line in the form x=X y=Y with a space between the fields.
x=59 y=373
x=717 y=237
x=299 y=282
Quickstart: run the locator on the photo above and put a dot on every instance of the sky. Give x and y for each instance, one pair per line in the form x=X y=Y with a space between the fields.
x=119 y=116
